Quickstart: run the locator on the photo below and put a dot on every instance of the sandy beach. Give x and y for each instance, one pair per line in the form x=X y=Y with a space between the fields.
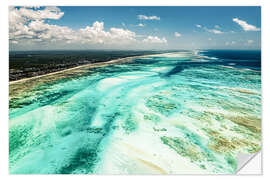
x=92 y=65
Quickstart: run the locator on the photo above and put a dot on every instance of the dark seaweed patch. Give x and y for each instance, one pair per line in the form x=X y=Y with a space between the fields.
x=84 y=159
x=18 y=137
x=129 y=125
x=177 y=69
x=161 y=105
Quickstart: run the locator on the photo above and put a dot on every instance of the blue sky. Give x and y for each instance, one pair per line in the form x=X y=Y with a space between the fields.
x=135 y=28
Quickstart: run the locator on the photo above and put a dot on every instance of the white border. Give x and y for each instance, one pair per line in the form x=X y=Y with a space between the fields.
x=4 y=75
x=138 y=2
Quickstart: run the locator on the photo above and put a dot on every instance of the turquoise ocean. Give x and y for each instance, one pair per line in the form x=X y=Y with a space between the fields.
x=187 y=112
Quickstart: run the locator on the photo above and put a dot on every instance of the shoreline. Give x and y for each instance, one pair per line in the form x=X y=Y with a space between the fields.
x=113 y=61
x=24 y=86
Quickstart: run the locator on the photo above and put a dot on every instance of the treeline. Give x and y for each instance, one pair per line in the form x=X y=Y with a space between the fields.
x=23 y=64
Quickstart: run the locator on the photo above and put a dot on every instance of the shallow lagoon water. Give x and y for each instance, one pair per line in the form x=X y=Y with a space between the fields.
x=176 y=113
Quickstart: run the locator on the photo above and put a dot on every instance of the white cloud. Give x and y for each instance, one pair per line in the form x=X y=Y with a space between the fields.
x=250 y=41
x=143 y=17
x=230 y=43
x=141 y=25
x=29 y=26
x=28 y=23
x=177 y=34
x=245 y=25
x=155 y=39
x=96 y=34
x=215 y=31
x=209 y=39
x=48 y=12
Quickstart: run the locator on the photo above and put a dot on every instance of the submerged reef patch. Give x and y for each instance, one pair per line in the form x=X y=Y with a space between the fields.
x=168 y=113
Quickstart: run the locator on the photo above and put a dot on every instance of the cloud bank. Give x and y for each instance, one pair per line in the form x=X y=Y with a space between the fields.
x=155 y=39
x=30 y=25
